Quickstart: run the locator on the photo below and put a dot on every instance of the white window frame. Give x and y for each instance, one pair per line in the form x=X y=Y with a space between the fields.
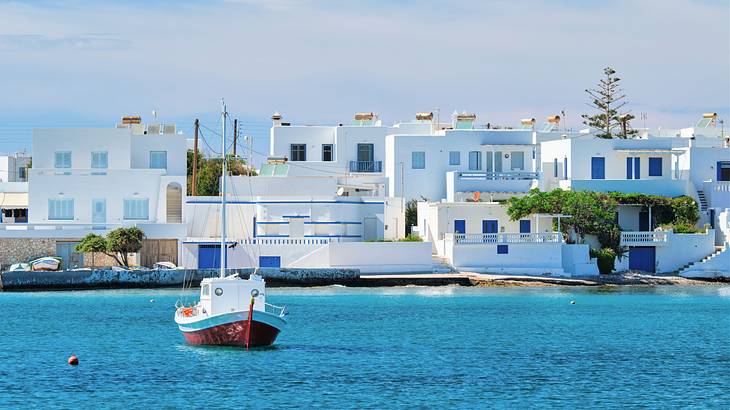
x=454 y=157
x=136 y=209
x=96 y=156
x=418 y=159
x=61 y=209
x=153 y=165
x=59 y=160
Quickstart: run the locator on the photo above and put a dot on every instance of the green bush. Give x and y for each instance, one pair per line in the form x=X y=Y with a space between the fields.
x=606 y=258
x=411 y=238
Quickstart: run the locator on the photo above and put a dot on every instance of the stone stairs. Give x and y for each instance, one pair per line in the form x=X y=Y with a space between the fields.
x=694 y=265
x=703 y=200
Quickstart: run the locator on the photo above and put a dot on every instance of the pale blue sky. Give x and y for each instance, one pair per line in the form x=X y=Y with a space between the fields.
x=76 y=63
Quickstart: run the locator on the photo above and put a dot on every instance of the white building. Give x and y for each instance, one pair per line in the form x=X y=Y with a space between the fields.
x=97 y=179
x=481 y=237
x=14 y=168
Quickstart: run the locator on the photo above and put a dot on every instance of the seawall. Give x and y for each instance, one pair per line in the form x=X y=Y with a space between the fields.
x=120 y=279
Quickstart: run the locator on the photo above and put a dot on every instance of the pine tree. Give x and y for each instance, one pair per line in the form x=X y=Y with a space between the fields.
x=608 y=99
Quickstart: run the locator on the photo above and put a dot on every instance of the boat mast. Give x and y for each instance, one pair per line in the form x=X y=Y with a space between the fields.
x=224 y=254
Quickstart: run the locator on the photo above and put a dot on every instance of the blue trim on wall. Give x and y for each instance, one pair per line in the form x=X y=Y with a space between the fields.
x=332 y=223
x=272 y=222
x=296 y=216
x=289 y=202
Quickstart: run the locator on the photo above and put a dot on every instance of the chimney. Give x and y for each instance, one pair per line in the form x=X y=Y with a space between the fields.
x=276 y=119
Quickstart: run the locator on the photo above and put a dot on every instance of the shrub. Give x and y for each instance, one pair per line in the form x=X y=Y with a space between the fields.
x=606 y=258
x=412 y=238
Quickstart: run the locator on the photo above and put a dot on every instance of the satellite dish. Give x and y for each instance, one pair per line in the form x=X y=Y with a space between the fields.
x=340 y=191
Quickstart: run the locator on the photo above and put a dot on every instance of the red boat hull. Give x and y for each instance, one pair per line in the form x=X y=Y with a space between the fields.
x=234 y=334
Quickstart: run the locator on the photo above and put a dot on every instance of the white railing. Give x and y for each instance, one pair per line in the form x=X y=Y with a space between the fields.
x=285 y=241
x=721 y=186
x=486 y=238
x=507 y=175
x=658 y=237
x=275 y=310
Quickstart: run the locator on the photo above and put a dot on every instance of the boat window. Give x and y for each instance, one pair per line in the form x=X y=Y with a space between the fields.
x=218 y=291
x=206 y=290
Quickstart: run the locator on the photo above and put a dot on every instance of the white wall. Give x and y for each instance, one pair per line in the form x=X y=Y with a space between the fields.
x=393 y=257
x=173 y=144
x=682 y=249
x=430 y=182
x=522 y=258
x=338 y=218
x=82 y=142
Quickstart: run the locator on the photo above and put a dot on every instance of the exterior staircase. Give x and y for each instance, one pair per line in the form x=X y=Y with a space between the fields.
x=720 y=251
x=703 y=200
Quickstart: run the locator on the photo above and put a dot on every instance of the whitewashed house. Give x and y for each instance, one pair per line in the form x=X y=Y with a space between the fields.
x=14 y=168
x=96 y=179
x=481 y=237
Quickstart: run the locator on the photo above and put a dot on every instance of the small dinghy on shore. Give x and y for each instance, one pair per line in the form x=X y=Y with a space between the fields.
x=19 y=267
x=47 y=263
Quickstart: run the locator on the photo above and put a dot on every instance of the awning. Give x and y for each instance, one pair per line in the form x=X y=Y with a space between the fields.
x=13 y=200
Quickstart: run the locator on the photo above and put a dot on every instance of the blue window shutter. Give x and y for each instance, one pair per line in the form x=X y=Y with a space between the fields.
x=655 y=167
x=555 y=167
x=598 y=168
x=637 y=168
x=629 y=168
x=719 y=170
x=525 y=226
x=502 y=249
x=565 y=167
x=459 y=226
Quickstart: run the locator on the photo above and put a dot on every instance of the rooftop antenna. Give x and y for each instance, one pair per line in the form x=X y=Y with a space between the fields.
x=643 y=118
x=154 y=114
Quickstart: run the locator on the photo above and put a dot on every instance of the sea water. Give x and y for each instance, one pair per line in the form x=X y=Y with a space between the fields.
x=442 y=347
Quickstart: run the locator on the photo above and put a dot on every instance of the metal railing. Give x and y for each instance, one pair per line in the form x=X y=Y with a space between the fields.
x=473 y=239
x=643 y=237
x=285 y=241
x=275 y=310
x=366 y=166
x=509 y=175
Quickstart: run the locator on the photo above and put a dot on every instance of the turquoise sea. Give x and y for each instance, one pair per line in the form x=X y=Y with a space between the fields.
x=446 y=347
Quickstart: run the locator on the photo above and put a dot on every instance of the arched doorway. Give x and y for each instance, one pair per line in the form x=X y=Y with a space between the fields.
x=174 y=203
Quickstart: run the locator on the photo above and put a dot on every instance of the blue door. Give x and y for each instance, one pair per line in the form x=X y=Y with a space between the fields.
x=490 y=226
x=525 y=226
x=598 y=168
x=642 y=258
x=70 y=259
x=637 y=167
x=209 y=257
x=270 y=261
x=459 y=226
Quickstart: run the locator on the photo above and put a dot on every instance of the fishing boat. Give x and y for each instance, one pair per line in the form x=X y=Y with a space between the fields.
x=232 y=311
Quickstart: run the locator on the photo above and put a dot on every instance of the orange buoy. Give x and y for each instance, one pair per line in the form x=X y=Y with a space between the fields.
x=73 y=360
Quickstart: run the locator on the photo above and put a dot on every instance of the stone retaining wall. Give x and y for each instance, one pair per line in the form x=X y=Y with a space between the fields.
x=16 y=250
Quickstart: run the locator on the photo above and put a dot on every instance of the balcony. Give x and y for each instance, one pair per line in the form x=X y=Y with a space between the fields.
x=644 y=238
x=366 y=166
x=488 y=238
x=460 y=184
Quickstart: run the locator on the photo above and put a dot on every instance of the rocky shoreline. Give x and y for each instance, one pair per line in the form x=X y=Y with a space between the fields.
x=119 y=279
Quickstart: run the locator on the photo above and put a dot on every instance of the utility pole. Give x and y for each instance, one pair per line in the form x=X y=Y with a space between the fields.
x=235 y=136
x=195 y=159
